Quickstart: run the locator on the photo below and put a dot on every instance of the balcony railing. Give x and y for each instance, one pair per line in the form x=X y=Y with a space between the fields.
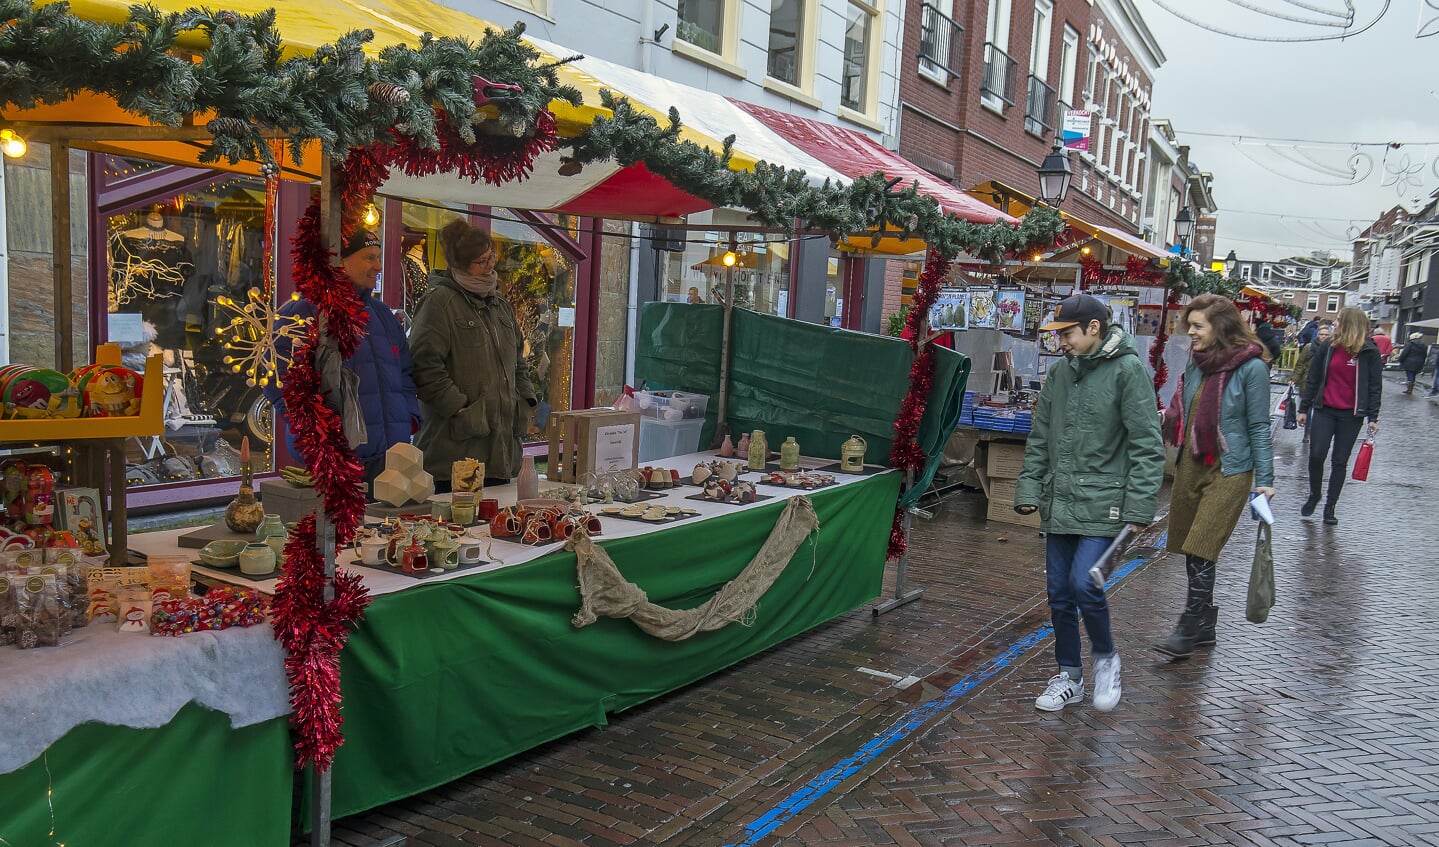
x=1041 y=109
x=940 y=44
x=998 y=79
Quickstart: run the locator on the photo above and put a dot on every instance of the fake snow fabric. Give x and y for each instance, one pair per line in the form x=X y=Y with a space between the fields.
x=605 y=592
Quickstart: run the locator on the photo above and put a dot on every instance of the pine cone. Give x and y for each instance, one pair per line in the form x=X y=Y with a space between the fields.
x=229 y=127
x=389 y=93
x=227 y=17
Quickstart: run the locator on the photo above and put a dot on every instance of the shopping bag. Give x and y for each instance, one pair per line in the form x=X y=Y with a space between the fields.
x=1261 y=577
x=1361 y=462
x=1291 y=414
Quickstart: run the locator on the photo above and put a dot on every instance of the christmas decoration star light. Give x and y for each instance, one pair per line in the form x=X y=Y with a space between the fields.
x=252 y=335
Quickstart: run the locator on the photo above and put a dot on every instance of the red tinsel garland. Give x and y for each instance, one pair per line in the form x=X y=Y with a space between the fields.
x=1161 y=341
x=905 y=453
x=312 y=629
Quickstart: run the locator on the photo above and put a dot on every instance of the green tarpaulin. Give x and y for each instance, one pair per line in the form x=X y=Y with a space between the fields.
x=788 y=377
x=445 y=678
x=194 y=780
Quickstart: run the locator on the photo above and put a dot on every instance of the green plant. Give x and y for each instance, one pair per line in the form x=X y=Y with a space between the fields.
x=894 y=324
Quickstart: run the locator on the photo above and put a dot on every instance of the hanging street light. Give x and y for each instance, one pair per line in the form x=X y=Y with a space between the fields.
x=1231 y=264
x=1184 y=227
x=1055 y=176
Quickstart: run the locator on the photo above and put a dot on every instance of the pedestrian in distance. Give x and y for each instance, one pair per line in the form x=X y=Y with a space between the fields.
x=1219 y=420
x=1382 y=341
x=1345 y=385
x=1093 y=463
x=1310 y=330
x=1270 y=338
x=1411 y=359
x=1304 y=359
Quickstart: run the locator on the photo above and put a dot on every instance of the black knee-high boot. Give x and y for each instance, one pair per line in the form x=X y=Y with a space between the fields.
x=1316 y=485
x=1336 y=485
x=1196 y=624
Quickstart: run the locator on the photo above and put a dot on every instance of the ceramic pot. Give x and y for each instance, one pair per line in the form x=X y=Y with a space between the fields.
x=472 y=551
x=789 y=455
x=528 y=483
x=415 y=559
x=277 y=543
x=758 y=450
x=372 y=550
x=462 y=507
x=271 y=525
x=257 y=559
x=244 y=512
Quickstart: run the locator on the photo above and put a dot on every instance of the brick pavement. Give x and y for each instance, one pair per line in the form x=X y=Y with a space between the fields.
x=1314 y=728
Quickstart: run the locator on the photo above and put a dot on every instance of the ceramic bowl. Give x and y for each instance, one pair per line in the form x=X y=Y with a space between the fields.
x=222 y=554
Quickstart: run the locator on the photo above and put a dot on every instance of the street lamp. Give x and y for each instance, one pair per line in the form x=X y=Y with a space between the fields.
x=1055 y=176
x=1184 y=227
x=1231 y=264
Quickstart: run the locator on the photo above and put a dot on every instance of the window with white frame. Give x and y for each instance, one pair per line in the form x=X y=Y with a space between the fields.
x=787 y=39
x=1333 y=304
x=1068 y=66
x=856 y=86
x=996 y=86
x=940 y=42
x=1246 y=272
x=1312 y=304
x=702 y=23
x=1040 y=99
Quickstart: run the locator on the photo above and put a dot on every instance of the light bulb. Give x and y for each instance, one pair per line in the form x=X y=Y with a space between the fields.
x=1084 y=250
x=730 y=258
x=11 y=144
x=1038 y=257
x=372 y=215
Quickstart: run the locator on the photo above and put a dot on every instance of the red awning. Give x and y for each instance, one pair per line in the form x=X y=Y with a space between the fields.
x=857 y=155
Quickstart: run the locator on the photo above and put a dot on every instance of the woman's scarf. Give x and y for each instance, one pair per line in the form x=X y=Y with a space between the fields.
x=482 y=285
x=1206 y=442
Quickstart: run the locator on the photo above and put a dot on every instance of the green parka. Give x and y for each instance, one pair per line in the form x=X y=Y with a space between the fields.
x=1095 y=459
x=472 y=378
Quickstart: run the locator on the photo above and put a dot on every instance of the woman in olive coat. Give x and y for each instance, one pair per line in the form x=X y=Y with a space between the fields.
x=470 y=371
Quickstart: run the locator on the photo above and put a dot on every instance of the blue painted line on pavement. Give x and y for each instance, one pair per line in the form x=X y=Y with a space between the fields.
x=826 y=782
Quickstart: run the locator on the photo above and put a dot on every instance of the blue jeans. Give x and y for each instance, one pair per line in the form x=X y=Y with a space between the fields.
x=1072 y=593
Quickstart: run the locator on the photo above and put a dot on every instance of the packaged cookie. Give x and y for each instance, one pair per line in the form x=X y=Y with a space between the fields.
x=9 y=613
x=41 y=620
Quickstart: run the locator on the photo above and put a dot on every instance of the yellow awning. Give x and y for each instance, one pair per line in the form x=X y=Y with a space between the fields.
x=1016 y=203
x=306 y=26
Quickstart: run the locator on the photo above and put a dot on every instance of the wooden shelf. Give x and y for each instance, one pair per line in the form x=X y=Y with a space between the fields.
x=150 y=421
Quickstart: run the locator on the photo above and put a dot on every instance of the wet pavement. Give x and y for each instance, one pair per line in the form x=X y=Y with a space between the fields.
x=1319 y=726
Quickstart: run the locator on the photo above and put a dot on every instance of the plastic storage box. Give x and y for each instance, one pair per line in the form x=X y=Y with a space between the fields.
x=672 y=405
x=662 y=439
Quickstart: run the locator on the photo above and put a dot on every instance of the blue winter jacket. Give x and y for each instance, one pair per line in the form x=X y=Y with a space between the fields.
x=387 y=382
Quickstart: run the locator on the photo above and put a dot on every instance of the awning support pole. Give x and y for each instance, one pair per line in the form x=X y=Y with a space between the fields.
x=722 y=427
x=60 y=255
x=320 y=794
x=901 y=568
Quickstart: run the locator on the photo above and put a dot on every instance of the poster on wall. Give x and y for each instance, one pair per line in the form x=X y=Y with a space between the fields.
x=1075 y=132
x=982 y=309
x=1121 y=310
x=950 y=311
x=1049 y=341
x=1009 y=309
x=1146 y=320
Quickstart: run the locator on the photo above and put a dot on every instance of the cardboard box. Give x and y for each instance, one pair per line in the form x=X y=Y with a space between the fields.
x=1005 y=460
x=1002 y=512
x=589 y=440
x=290 y=502
x=1002 y=489
x=79 y=511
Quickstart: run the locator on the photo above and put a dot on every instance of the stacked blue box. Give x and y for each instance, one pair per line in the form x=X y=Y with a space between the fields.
x=966 y=409
x=1023 y=420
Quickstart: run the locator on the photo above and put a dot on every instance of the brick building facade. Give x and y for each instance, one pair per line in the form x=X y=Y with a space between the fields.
x=984 y=85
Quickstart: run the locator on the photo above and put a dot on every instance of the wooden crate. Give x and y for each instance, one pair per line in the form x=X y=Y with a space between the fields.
x=591 y=439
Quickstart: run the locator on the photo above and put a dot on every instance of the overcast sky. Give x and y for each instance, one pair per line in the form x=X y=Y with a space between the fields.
x=1379 y=86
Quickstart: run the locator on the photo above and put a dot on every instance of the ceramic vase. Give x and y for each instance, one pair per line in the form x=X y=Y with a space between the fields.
x=257 y=559
x=742 y=448
x=789 y=455
x=726 y=448
x=528 y=483
x=758 y=450
x=244 y=512
x=271 y=525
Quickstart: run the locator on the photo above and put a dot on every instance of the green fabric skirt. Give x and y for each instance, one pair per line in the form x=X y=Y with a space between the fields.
x=1204 y=507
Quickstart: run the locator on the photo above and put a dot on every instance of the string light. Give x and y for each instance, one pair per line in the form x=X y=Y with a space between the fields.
x=11 y=144
x=372 y=214
x=730 y=258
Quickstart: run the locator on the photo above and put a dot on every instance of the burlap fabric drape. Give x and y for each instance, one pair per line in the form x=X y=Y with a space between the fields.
x=604 y=591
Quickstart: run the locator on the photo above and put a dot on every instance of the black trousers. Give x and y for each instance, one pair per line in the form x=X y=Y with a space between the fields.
x=1341 y=429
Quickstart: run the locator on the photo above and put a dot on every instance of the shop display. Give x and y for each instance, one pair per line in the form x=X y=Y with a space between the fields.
x=581 y=442
x=29 y=392
x=737 y=493
x=807 y=481
x=221 y=607
x=542 y=524
x=1011 y=411
x=649 y=514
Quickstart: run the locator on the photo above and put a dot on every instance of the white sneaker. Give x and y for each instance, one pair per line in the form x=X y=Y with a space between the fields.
x=1061 y=692
x=1106 y=683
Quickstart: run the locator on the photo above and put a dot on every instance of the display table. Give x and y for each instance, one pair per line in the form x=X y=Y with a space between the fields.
x=447 y=675
x=146 y=740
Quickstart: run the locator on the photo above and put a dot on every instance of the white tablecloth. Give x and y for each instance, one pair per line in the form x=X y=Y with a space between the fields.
x=102 y=676
x=507 y=553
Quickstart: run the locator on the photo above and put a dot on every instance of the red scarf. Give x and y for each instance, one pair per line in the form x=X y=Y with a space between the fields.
x=1203 y=435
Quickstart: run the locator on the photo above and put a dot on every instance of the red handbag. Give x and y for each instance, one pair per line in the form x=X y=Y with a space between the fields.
x=1361 y=462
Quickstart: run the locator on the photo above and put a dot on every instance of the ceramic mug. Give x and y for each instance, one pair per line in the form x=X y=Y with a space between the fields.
x=471 y=551
x=462 y=507
x=487 y=508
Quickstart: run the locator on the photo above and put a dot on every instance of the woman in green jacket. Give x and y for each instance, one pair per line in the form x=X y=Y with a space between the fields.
x=1220 y=420
x=470 y=369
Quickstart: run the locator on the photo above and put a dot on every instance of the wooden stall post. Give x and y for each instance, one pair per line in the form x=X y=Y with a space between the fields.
x=60 y=255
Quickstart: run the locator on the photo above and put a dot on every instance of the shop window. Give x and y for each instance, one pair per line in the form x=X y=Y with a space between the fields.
x=834 y=290
x=179 y=274
x=787 y=38
x=761 y=272
x=536 y=278
x=1333 y=304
